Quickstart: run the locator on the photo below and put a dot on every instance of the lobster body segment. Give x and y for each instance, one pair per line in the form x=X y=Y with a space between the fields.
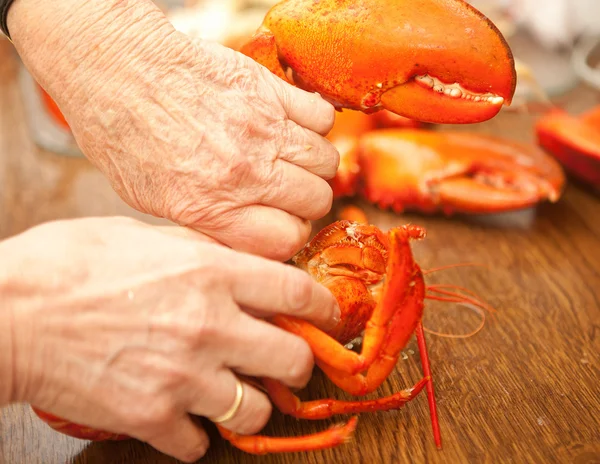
x=438 y=61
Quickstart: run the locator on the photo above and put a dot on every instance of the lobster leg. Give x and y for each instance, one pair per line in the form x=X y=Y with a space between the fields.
x=260 y=444
x=401 y=328
x=290 y=404
x=354 y=213
x=401 y=281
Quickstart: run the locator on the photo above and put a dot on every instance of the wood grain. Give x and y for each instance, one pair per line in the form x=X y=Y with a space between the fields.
x=525 y=389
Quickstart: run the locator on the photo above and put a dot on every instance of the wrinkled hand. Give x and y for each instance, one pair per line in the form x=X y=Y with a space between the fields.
x=142 y=326
x=199 y=134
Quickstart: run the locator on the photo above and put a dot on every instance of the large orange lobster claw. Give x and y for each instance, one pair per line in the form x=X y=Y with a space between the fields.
x=438 y=61
x=455 y=172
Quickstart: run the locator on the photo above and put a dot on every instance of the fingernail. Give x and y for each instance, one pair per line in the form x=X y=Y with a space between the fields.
x=337 y=314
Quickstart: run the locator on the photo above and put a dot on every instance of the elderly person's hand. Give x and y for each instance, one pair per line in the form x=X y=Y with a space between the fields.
x=186 y=130
x=130 y=328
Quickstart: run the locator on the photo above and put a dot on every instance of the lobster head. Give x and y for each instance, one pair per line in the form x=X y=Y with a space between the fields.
x=437 y=61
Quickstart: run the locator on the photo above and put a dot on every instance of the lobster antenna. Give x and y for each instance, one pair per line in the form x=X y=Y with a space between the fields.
x=426 y=366
x=452 y=266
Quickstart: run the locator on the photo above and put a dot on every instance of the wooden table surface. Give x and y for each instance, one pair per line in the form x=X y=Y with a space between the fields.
x=525 y=389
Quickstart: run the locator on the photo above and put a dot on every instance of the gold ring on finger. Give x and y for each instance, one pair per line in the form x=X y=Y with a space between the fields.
x=232 y=411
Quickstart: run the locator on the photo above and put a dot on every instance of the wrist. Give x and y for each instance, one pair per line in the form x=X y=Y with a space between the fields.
x=22 y=297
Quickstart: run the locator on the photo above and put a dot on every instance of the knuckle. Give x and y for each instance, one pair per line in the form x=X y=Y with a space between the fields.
x=242 y=77
x=174 y=378
x=150 y=416
x=289 y=137
x=220 y=215
x=276 y=187
x=240 y=172
x=193 y=321
x=282 y=89
x=181 y=209
x=286 y=99
x=323 y=202
x=334 y=165
x=203 y=327
x=299 y=290
x=196 y=324
x=258 y=417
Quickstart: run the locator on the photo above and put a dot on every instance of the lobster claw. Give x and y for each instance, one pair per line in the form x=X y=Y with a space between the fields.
x=437 y=61
x=574 y=141
x=455 y=172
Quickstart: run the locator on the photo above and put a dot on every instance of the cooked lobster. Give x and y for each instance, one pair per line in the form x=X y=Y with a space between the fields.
x=381 y=292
